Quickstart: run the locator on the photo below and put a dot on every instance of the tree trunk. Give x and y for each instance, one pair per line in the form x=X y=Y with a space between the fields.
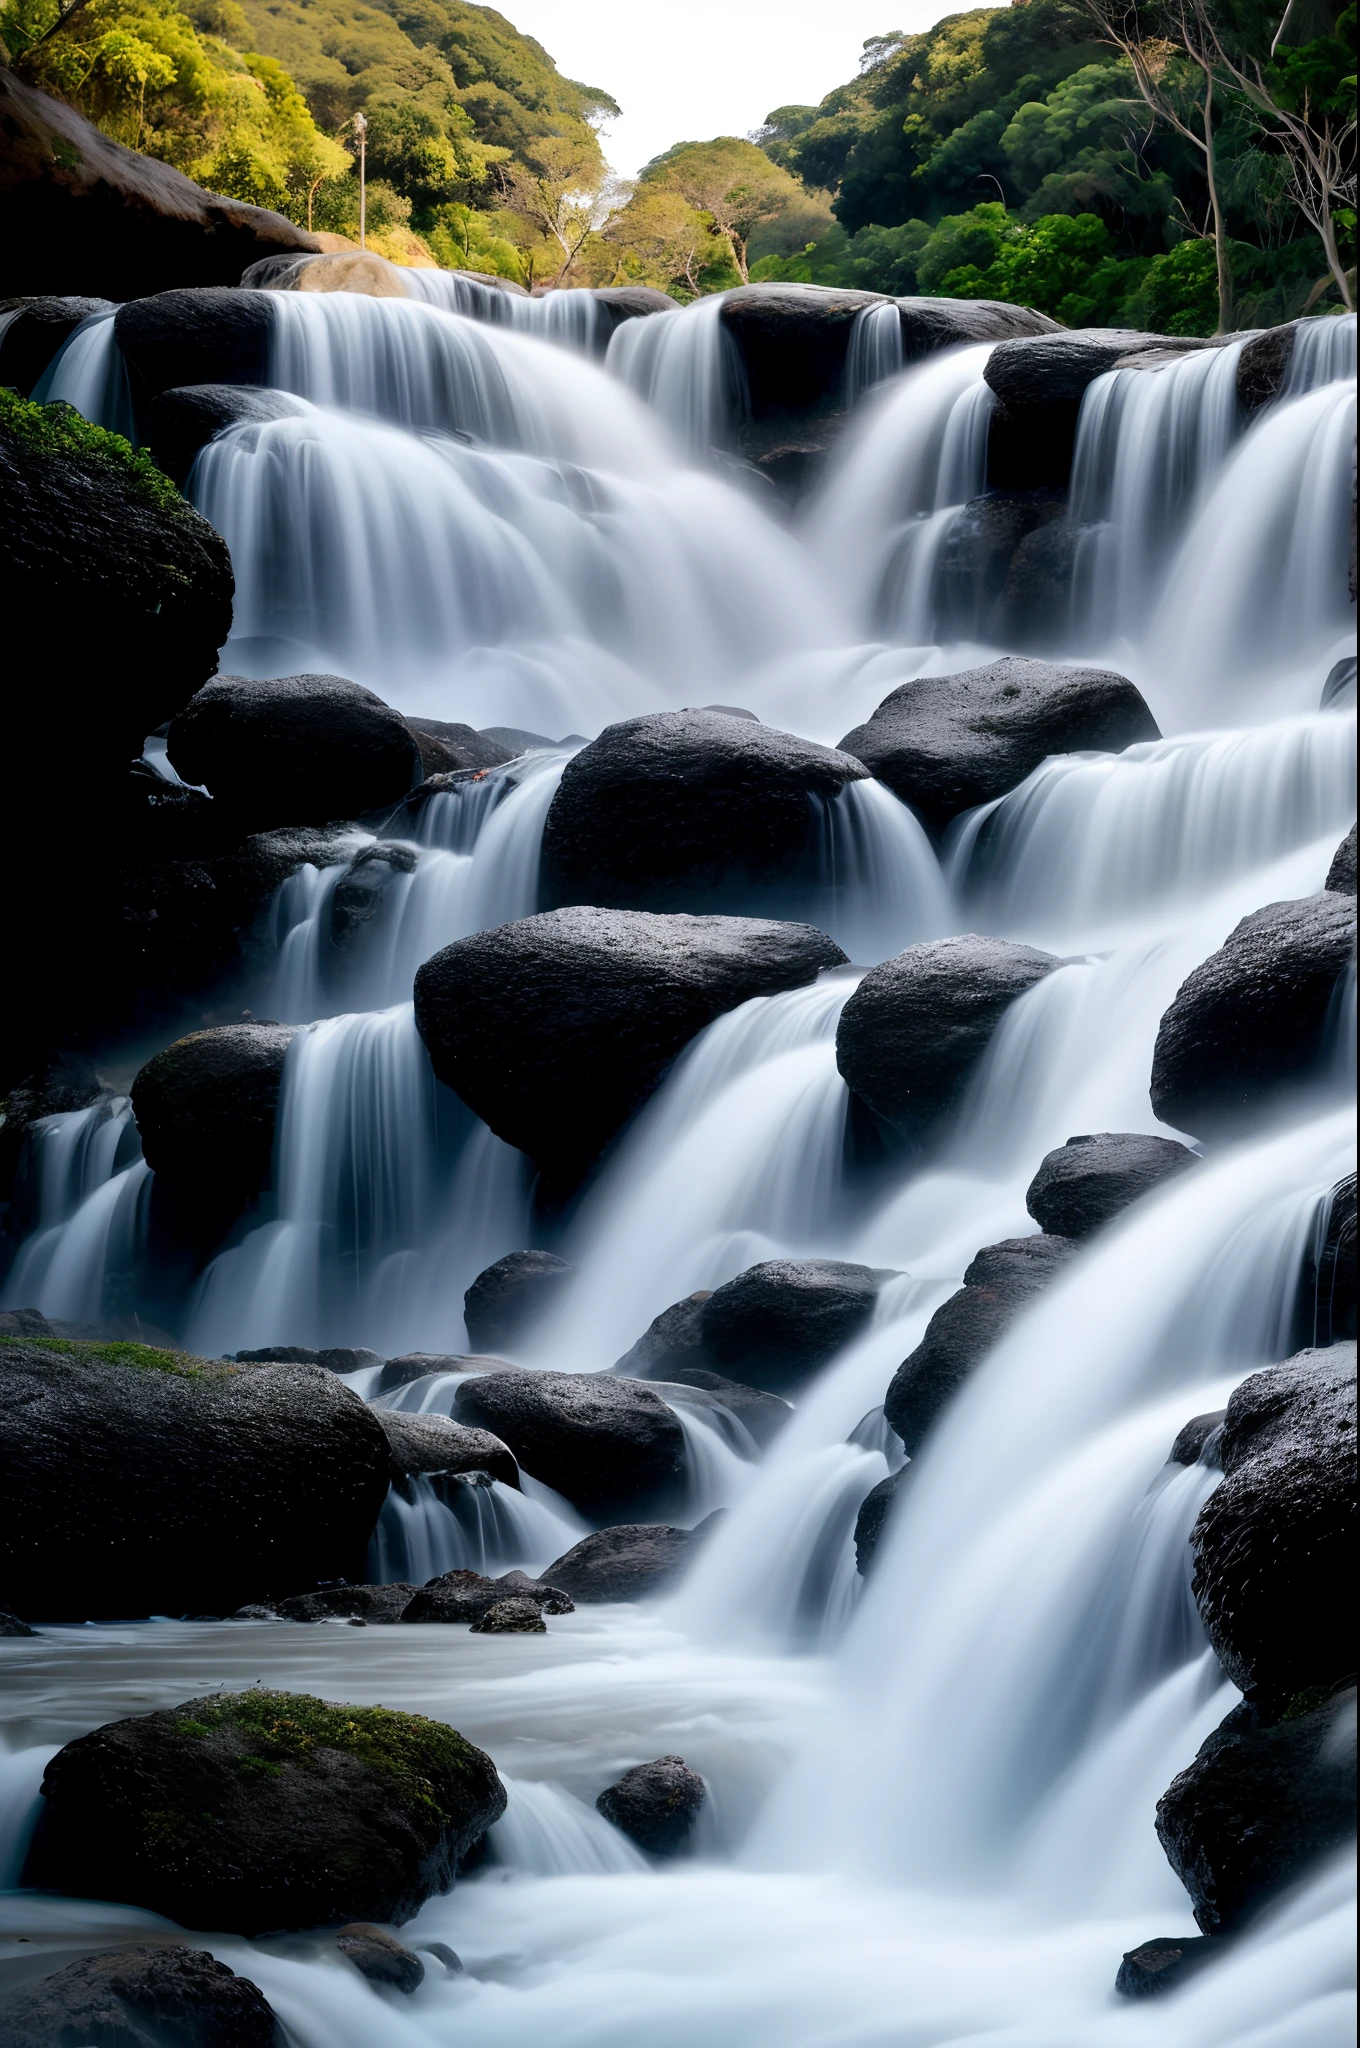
x=1224 y=268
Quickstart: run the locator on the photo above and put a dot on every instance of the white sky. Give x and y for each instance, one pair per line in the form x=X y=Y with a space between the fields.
x=685 y=70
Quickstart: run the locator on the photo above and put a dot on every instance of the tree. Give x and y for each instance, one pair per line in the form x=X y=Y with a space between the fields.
x=562 y=195
x=732 y=182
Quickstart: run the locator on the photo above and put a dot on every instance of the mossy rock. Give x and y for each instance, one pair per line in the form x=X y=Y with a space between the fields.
x=264 y=1810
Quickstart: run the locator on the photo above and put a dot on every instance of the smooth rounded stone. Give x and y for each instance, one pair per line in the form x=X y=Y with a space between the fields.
x=338 y=1359
x=778 y=1323
x=177 y=339
x=32 y=337
x=556 y=1028
x=206 y=1108
x=362 y=891
x=380 y=1957
x=875 y=1512
x=1002 y=1280
x=630 y=1562
x=1274 y=1545
x=451 y=749
x=1195 y=1439
x=384 y=1604
x=263 y=1810
x=1162 y=1964
x=675 y=809
x=762 y=1415
x=944 y=744
x=1253 y=1024
x=435 y=1443
x=977 y=551
x=419 y=1365
x=913 y=1033
x=516 y=738
x=467 y=1596
x=655 y=1804
x=1258 y=1806
x=181 y=423
x=1341 y=874
x=158 y=1996
x=671 y=1344
x=1089 y=1181
x=930 y=324
x=1338 y=693
x=294 y=750
x=136 y=1482
x=508 y=1299
x=511 y=1618
x=1263 y=365
x=607 y=1444
x=631 y=301
x=10 y=1625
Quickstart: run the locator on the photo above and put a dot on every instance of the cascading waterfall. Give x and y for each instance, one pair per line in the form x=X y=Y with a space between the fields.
x=686 y=367
x=88 y=372
x=92 y=1192
x=571 y=318
x=875 y=352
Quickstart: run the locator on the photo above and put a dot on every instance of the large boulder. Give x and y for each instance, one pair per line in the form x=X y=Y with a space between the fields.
x=34 y=331
x=680 y=808
x=1039 y=384
x=423 y=1444
x=1089 y=1181
x=778 y=1323
x=1275 y=1543
x=1263 y=365
x=761 y=1415
x=930 y=324
x=947 y=743
x=1341 y=874
x=556 y=1028
x=981 y=543
x=671 y=1345
x=81 y=210
x=911 y=1037
x=630 y=1562
x=1002 y=1280
x=1258 y=1806
x=1253 y=1025
x=609 y=1445
x=452 y=749
x=792 y=340
x=507 y=1300
x=262 y=1810
x=161 y=1996
x=182 y=422
x=136 y=1481
x=206 y=1109
x=181 y=338
x=875 y=1513
x=656 y=1804
x=296 y=750
x=470 y=1596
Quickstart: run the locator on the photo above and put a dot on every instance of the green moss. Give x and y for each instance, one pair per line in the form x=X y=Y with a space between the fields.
x=145 y=1357
x=59 y=430
x=1314 y=1696
x=187 y=1727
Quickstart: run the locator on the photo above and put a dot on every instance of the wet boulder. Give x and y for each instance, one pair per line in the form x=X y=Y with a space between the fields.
x=1089 y=1181
x=979 y=546
x=778 y=1323
x=263 y=1810
x=337 y=1358
x=1040 y=575
x=380 y=1957
x=1275 y=1543
x=1263 y=365
x=420 y=1365
x=792 y=340
x=930 y=324
x=671 y=1345
x=632 y=1561
x=1001 y=1281
x=435 y=1443
x=451 y=749
x=463 y=1596
x=556 y=1028
x=875 y=1513
x=1039 y=383
x=914 y=1032
x=516 y=1617
x=607 y=1444
x=206 y=1109
x=1341 y=874
x=762 y=1415
x=947 y=743
x=1329 y=1303
x=158 y=1996
x=679 y=808
x=1258 y=1020
x=1260 y=1804
x=295 y=750
x=183 y=421
x=136 y=1481
x=1162 y=1964
x=1198 y=1440
x=508 y=1299
x=176 y=339
x=631 y=302
x=656 y=1804
x=366 y=885
x=32 y=338
x=369 y=1604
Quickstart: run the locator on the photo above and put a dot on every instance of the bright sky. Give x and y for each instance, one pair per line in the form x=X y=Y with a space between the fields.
x=685 y=70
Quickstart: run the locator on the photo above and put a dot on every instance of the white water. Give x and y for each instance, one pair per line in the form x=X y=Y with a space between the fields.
x=930 y=1799
x=875 y=352
x=88 y=372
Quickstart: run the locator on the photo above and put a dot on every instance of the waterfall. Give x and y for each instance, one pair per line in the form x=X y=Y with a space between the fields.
x=88 y=372
x=92 y=1193
x=573 y=318
x=875 y=352
x=687 y=368
x=882 y=889
x=1324 y=352
x=449 y=1523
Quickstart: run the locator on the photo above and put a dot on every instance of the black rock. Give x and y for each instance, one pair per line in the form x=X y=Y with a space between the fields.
x=515 y=739
x=182 y=422
x=468 y=1596
x=977 y=551
x=778 y=1323
x=556 y=1028
x=1003 y=1279
x=339 y=1358
x=451 y=749
x=630 y=1562
x=913 y=1033
x=1193 y=1439
x=930 y=324
x=874 y=1514
x=419 y=1365
x=516 y=1617
x=380 y=1957
x=1258 y=1806
x=206 y=1109
x=295 y=750
x=211 y=335
x=1254 y=1023
x=1339 y=691
x=656 y=1804
x=10 y=1625
x=1263 y=365
x=1039 y=385
x=1341 y=874
x=1274 y=1545
x=1088 y=1181
x=672 y=1343
x=1163 y=1964
x=607 y=1444
x=136 y=1482
x=1041 y=575
x=434 y=1443
x=283 y=1811
x=1329 y=1274
x=360 y=893
x=760 y=1414
x=161 y=1996
x=507 y=1300
x=382 y=1604
x=792 y=341
x=679 y=809
x=947 y=743
x=32 y=338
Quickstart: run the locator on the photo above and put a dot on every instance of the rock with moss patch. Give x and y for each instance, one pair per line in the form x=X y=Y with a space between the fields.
x=135 y=1481
x=511 y=1618
x=166 y=1996
x=262 y=1810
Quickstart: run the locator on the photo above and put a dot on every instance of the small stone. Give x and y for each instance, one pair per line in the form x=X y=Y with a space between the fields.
x=655 y=1804
x=1160 y=1965
x=380 y=1957
x=511 y=1618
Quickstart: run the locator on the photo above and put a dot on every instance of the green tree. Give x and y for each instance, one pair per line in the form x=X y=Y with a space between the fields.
x=730 y=181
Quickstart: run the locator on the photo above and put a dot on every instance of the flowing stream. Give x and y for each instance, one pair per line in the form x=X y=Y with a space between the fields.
x=931 y=1794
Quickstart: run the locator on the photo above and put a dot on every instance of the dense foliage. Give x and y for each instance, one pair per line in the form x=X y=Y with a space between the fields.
x=1012 y=153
